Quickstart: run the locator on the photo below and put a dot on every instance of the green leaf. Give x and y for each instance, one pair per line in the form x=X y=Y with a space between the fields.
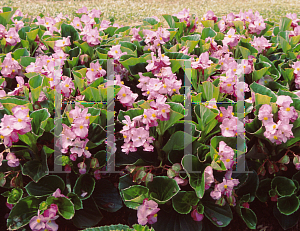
x=22 y=212
x=113 y=227
x=248 y=216
x=286 y=221
x=84 y=184
x=36 y=169
x=75 y=200
x=26 y=61
x=65 y=206
x=91 y=94
x=183 y=201
x=173 y=221
x=260 y=69
x=15 y=195
x=288 y=204
x=69 y=30
x=208 y=32
x=39 y=121
x=177 y=141
x=96 y=134
x=169 y=20
x=257 y=88
x=20 y=52
x=284 y=24
x=195 y=172
x=106 y=196
x=162 y=189
x=88 y=216
x=220 y=216
x=249 y=186
x=263 y=189
x=210 y=91
x=135 y=194
x=45 y=186
x=283 y=185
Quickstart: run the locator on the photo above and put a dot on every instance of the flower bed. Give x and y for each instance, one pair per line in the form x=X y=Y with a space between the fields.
x=180 y=125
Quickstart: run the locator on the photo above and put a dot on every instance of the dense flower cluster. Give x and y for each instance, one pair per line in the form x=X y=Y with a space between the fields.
x=280 y=131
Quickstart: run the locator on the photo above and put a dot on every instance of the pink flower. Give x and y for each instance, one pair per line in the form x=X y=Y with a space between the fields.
x=209 y=177
x=62 y=43
x=197 y=216
x=147 y=212
x=260 y=43
x=82 y=167
x=126 y=96
x=80 y=127
x=202 y=62
x=58 y=193
x=265 y=114
x=67 y=86
x=115 y=52
x=231 y=38
x=94 y=72
x=37 y=222
x=12 y=37
x=284 y=101
x=229 y=127
x=13 y=161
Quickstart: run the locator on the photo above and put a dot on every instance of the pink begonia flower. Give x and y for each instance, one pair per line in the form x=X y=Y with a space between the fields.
x=82 y=167
x=18 y=24
x=13 y=161
x=202 y=62
x=91 y=36
x=288 y=113
x=265 y=114
x=224 y=188
x=231 y=38
x=229 y=127
x=104 y=25
x=247 y=66
x=76 y=23
x=97 y=174
x=294 y=19
x=143 y=82
x=260 y=43
x=225 y=113
x=10 y=67
x=209 y=177
x=284 y=101
x=128 y=147
x=82 y=10
x=210 y=15
x=12 y=37
x=126 y=96
x=115 y=52
x=197 y=216
x=240 y=89
x=156 y=64
x=58 y=193
x=80 y=148
x=135 y=34
x=212 y=104
x=19 y=89
x=38 y=222
x=296 y=162
x=264 y=80
x=80 y=127
x=94 y=72
x=67 y=136
x=62 y=43
x=66 y=86
x=147 y=212
x=226 y=155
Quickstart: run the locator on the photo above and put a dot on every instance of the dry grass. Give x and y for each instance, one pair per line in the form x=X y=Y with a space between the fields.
x=133 y=11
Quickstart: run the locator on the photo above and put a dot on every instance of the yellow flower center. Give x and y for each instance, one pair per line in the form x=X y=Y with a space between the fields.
x=81 y=127
x=116 y=51
x=234 y=70
x=275 y=137
x=124 y=95
x=221 y=115
x=153 y=115
x=145 y=116
x=225 y=186
x=227 y=160
x=18 y=85
x=125 y=136
x=122 y=82
x=13 y=70
x=87 y=117
x=155 y=215
x=19 y=120
x=38 y=220
x=265 y=118
x=67 y=85
x=158 y=44
x=227 y=129
x=229 y=85
x=222 y=63
x=229 y=36
x=86 y=148
x=51 y=79
x=148 y=49
x=174 y=89
x=298 y=69
x=77 y=24
x=47 y=23
x=287 y=109
x=148 y=92
x=274 y=126
x=2 y=137
x=163 y=110
x=10 y=37
x=160 y=38
x=48 y=61
x=64 y=42
x=92 y=69
x=214 y=106
x=232 y=113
